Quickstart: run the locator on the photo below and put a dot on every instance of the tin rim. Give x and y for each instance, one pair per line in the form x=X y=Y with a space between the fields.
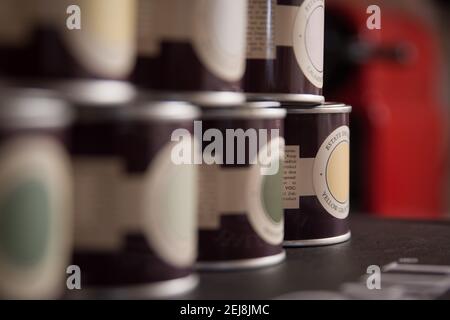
x=243 y=264
x=96 y=92
x=243 y=113
x=155 y=290
x=209 y=98
x=329 y=107
x=163 y=110
x=109 y=100
x=96 y=100
x=317 y=242
x=246 y=104
x=28 y=107
x=304 y=99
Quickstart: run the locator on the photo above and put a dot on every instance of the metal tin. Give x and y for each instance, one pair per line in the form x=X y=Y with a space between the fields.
x=135 y=231
x=67 y=39
x=240 y=209
x=35 y=194
x=316 y=175
x=196 y=45
x=285 y=50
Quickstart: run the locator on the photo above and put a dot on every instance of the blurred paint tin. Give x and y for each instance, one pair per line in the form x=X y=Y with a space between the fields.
x=196 y=45
x=35 y=194
x=240 y=209
x=67 y=39
x=135 y=219
x=285 y=40
x=316 y=175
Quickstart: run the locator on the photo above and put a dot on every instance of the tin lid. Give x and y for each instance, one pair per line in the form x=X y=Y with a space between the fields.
x=249 y=109
x=97 y=100
x=96 y=92
x=207 y=98
x=148 y=109
x=297 y=98
x=329 y=107
x=32 y=108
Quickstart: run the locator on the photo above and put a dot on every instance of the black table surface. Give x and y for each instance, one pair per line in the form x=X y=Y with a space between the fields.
x=374 y=242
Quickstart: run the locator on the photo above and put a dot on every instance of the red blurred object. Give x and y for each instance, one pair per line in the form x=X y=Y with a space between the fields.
x=395 y=95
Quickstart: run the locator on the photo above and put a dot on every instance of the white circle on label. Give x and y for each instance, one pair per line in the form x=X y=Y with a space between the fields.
x=315 y=43
x=308 y=40
x=331 y=173
x=169 y=208
x=220 y=36
x=264 y=199
x=34 y=169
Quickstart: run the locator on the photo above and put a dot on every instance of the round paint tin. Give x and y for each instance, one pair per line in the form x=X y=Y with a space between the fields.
x=135 y=215
x=240 y=209
x=67 y=39
x=35 y=194
x=316 y=175
x=196 y=45
x=285 y=40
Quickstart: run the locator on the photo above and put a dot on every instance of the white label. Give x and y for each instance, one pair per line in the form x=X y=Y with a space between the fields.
x=105 y=45
x=215 y=28
x=331 y=173
x=326 y=176
x=168 y=209
x=297 y=180
x=284 y=21
x=97 y=196
x=261 y=29
x=35 y=219
x=308 y=40
x=220 y=36
x=148 y=13
x=221 y=193
x=264 y=196
x=237 y=191
x=160 y=203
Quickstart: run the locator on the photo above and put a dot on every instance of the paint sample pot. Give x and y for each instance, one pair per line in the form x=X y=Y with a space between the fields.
x=240 y=209
x=135 y=218
x=35 y=194
x=316 y=175
x=92 y=39
x=285 y=40
x=196 y=45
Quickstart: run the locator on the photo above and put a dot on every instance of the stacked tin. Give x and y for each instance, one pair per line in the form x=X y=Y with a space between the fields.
x=191 y=135
x=285 y=50
x=134 y=213
x=285 y=63
x=35 y=194
x=195 y=51
x=240 y=211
